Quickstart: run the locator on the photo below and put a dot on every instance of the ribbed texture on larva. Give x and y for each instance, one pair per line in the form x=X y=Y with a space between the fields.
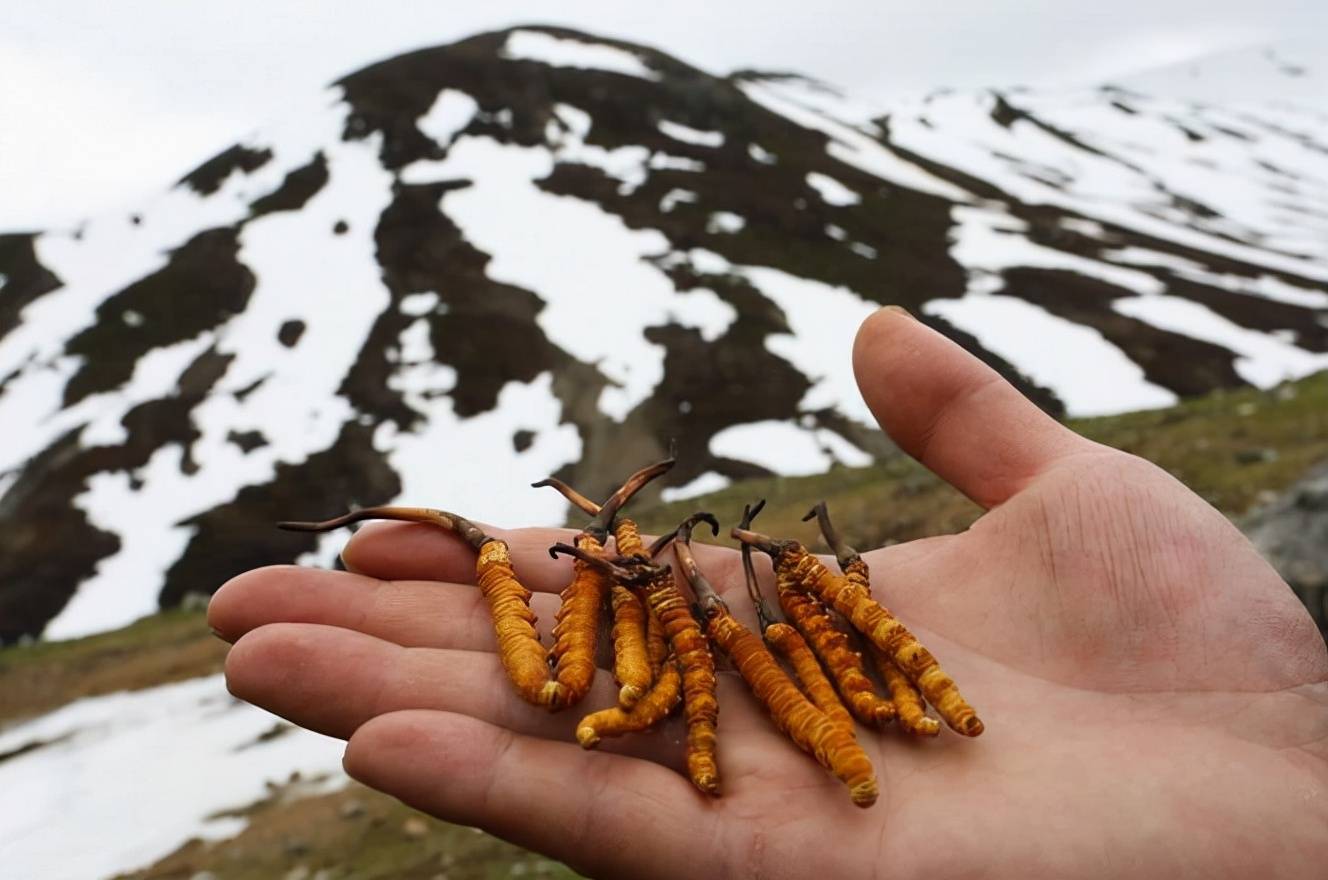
x=700 y=702
x=908 y=701
x=787 y=641
x=831 y=744
x=885 y=631
x=831 y=645
x=577 y=631
x=627 y=537
x=519 y=648
x=651 y=709
x=631 y=663
x=913 y=716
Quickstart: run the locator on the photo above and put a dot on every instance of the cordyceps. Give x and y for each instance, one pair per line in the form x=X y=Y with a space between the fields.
x=908 y=701
x=523 y=657
x=810 y=617
x=870 y=618
x=789 y=642
x=639 y=646
x=576 y=634
x=689 y=646
x=831 y=743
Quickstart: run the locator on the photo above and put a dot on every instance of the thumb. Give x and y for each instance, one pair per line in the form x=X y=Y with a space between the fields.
x=952 y=412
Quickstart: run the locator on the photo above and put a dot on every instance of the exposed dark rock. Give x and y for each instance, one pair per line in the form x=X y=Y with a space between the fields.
x=208 y=177
x=289 y=333
x=25 y=278
x=201 y=287
x=248 y=441
x=1292 y=533
x=299 y=187
x=341 y=227
x=522 y=440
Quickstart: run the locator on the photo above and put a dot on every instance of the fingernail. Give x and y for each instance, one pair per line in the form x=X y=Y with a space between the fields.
x=216 y=632
x=899 y=310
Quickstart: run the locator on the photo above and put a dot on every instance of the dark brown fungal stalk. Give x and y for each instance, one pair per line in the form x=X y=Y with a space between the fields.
x=812 y=730
x=523 y=656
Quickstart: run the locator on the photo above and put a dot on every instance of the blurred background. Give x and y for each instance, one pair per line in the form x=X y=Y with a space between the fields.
x=263 y=263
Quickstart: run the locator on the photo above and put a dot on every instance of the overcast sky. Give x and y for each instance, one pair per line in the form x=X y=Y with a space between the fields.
x=102 y=103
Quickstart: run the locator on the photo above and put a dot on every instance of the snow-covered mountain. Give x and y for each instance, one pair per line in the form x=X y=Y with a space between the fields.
x=537 y=251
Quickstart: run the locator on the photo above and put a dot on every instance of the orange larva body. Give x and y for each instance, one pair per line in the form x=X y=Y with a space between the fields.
x=831 y=744
x=885 y=631
x=831 y=645
x=908 y=701
x=577 y=631
x=651 y=709
x=523 y=656
x=631 y=662
x=788 y=642
x=700 y=702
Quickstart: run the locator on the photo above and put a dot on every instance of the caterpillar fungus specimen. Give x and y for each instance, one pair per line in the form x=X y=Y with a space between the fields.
x=639 y=646
x=576 y=633
x=831 y=743
x=874 y=621
x=689 y=646
x=811 y=618
x=523 y=656
x=789 y=642
x=913 y=716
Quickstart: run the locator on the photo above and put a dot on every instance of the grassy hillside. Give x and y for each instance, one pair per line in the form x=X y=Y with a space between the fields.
x=1236 y=449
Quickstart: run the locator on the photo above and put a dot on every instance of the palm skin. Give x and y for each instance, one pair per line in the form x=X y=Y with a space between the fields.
x=1155 y=699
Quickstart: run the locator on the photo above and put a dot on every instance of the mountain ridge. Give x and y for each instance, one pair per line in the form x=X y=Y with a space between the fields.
x=537 y=251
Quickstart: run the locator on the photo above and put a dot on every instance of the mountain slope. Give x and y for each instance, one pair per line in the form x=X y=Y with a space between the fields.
x=535 y=251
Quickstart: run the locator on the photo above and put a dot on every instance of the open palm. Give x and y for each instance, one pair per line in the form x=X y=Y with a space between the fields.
x=1156 y=700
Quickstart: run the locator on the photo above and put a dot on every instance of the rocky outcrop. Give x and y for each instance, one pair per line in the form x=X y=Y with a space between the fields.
x=1292 y=533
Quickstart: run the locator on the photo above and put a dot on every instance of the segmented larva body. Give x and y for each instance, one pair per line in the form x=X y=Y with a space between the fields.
x=831 y=644
x=700 y=702
x=788 y=642
x=833 y=745
x=913 y=717
x=627 y=537
x=651 y=709
x=631 y=662
x=908 y=701
x=577 y=631
x=885 y=631
x=519 y=647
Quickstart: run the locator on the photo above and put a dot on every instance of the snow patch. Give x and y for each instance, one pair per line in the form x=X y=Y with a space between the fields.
x=451 y=112
x=831 y=191
x=687 y=135
x=126 y=778
x=724 y=222
x=703 y=485
x=675 y=197
x=560 y=52
x=785 y=447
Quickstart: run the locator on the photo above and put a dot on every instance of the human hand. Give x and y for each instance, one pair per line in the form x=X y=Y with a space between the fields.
x=1155 y=698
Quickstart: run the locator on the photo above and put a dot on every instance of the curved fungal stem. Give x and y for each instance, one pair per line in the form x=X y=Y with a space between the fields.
x=683 y=528
x=600 y=525
x=577 y=500
x=469 y=532
x=627 y=571
x=709 y=600
x=763 y=615
x=845 y=555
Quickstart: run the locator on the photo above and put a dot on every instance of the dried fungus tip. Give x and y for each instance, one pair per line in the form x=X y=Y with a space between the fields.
x=471 y=533
x=845 y=555
x=599 y=526
x=651 y=709
x=632 y=571
x=682 y=531
x=577 y=500
x=763 y=615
